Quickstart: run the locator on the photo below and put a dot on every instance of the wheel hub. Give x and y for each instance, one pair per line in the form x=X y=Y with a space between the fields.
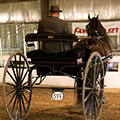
x=19 y=84
x=96 y=88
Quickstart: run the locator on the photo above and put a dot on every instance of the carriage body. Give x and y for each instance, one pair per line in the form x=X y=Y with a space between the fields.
x=83 y=64
x=56 y=63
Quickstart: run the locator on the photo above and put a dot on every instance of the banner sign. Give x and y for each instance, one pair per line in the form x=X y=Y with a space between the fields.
x=112 y=28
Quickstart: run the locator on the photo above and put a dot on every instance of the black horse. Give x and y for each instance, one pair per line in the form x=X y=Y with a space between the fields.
x=97 y=40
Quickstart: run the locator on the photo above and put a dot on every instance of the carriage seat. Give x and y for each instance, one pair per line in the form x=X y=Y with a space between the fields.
x=38 y=55
x=71 y=54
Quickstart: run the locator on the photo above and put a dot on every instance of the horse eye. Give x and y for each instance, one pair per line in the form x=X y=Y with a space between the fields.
x=87 y=26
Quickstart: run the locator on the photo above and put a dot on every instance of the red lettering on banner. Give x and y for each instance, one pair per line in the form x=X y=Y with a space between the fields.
x=79 y=30
x=83 y=31
x=112 y=30
x=117 y=30
x=76 y=30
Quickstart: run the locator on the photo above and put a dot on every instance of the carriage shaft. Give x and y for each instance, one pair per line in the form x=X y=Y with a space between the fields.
x=58 y=87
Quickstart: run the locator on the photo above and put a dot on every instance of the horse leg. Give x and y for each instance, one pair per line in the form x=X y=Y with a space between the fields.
x=79 y=93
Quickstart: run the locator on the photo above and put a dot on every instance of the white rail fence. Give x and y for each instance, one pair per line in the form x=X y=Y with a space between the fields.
x=112 y=78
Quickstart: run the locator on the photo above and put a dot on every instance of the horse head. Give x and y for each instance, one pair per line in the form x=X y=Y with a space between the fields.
x=95 y=29
x=92 y=27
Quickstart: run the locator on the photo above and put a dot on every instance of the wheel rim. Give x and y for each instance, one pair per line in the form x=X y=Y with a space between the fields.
x=93 y=87
x=16 y=94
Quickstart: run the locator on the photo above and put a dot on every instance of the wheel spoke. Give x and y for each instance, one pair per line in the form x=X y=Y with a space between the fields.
x=13 y=69
x=9 y=84
x=19 y=65
x=87 y=97
x=89 y=81
x=99 y=82
x=25 y=83
x=16 y=65
x=22 y=71
x=11 y=99
x=25 y=98
x=99 y=68
x=11 y=76
x=17 y=108
x=97 y=97
x=94 y=103
x=92 y=111
x=94 y=71
x=91 y=74
x=24 y=76
x=20 y=107
x=23 y=103
x=14 y=105
x=101 y=78
x=88 y=112
x=11 y=91
x=89 y=88
x=98 y=72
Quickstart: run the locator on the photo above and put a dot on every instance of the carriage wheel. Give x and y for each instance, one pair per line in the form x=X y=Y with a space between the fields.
x=16 y=93
x=93 y=87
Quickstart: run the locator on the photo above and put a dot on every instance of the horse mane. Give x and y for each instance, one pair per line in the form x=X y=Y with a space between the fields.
x=103 y=33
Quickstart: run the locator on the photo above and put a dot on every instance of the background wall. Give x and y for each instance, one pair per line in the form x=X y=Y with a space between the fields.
x=79 y=9
x=20 y=12
x=20 y=17
x=73 y=10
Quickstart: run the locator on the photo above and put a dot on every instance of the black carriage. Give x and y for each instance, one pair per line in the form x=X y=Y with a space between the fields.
x=84 y=65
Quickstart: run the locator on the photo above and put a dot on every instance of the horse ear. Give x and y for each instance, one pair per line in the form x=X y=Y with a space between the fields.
x=89 y=17
x=97 y=16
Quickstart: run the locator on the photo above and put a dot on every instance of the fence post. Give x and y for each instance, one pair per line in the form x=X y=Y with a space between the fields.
x=9 y=43
x=119 y=65
x=1 y=51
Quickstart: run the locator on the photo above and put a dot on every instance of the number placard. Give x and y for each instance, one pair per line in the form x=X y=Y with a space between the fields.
x=57 y=94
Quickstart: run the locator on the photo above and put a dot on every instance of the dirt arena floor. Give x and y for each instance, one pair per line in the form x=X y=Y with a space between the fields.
x=43 y=108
